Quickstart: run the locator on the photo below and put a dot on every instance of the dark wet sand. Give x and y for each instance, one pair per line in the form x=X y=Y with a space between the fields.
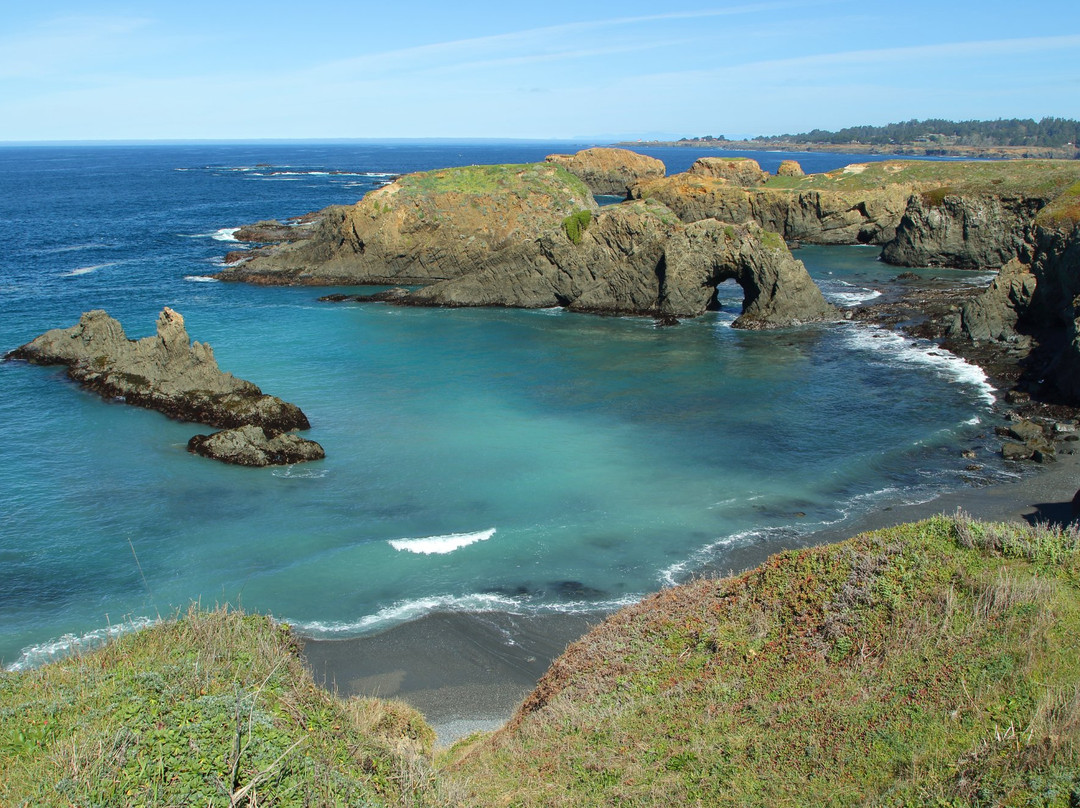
x=468 y=672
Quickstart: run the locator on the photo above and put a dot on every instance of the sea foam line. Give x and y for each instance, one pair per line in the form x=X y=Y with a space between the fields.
x=477 y=603
x=37 y=655
x=440 y=545
x=225 y=234
x=919 y=352
x=201 y=279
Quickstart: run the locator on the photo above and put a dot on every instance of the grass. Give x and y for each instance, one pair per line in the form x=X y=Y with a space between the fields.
x=932 y=664
x=936 y=663
x=1039 y=178
x=212 y=709
x=519 y=179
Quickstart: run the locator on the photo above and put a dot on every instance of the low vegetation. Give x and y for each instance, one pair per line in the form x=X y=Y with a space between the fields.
x=929 y=664
x=576 y=224
x=1045 y=179
x=519 y=179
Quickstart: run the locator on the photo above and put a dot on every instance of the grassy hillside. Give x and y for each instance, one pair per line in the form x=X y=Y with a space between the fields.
x=930 y=664
x=214 y=709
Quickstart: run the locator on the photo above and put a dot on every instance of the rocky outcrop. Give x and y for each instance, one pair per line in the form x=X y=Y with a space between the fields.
x=736 y=170
x=165 y=372
x=790 y=168
x=638 y=258
x=995 y=313
x=423 y=227
x=609 y=171
x=253 y=446
x=967 y=231
x=866 y=216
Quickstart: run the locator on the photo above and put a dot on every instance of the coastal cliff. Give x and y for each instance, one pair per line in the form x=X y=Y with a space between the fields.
x=168 y=373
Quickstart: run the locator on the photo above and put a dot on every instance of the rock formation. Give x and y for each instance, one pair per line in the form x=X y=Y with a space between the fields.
x=966 y=231
x=736 y=170
x=865 y=216
x=994 y=314
x=638 y=258
x=252 y=445
x=165 y=372
x=423 y=227
x=790 y=168
x=609 y=171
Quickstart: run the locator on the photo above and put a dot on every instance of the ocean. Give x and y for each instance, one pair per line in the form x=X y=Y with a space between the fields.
x=477 y=459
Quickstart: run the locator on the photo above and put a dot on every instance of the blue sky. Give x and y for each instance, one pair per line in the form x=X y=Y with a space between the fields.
x=246 y=70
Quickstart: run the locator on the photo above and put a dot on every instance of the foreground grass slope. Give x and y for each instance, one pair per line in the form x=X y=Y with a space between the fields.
x=213 y=709
x=930 y=664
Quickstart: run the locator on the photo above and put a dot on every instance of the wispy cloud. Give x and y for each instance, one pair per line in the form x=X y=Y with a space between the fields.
x=63 y=45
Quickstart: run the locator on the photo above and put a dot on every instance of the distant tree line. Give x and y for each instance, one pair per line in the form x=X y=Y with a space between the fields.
x=1010 y=132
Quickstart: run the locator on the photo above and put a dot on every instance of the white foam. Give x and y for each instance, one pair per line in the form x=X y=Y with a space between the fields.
x=476 y=603
x=73 y=248
x=225 y=234
x=87 y=270
x=440 y=545
x=890 y=347
x=200 y=279
x=845 y=294
x=290 y=473
x=37 y=655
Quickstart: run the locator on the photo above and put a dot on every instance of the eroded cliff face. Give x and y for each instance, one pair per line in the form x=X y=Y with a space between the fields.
x=639 y=258
x=966 y=231
x=814 y=216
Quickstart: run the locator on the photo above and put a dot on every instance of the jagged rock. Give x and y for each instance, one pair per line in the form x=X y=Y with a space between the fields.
x=968 y=231
x=736 y=170
x=253 y=446
x=1025 y=430
x=609 y=171
x=424 y=227
x=790 y=168
x=994 y=314
x=165 y=372
x=271 y=231
x=639 y=258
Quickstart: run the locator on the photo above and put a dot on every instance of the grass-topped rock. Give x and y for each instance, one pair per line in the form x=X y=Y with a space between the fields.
x=424 y=227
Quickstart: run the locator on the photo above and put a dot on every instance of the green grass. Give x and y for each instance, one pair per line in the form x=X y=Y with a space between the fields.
x=1040 y=178
x=480 y=180
x=933 y=664
x=936 y=663
x=212 y=709
x=576 y=224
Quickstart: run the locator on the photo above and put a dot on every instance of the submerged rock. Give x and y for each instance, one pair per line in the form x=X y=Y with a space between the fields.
x=253 y=446
x=165 y=372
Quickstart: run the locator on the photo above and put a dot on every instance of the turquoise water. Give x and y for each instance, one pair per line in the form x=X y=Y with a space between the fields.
x=555 y=461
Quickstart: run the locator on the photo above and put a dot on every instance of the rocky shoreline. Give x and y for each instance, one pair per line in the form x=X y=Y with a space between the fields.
x=170 y=374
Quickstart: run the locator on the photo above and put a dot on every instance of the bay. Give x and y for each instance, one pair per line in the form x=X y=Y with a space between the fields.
x=477 y=459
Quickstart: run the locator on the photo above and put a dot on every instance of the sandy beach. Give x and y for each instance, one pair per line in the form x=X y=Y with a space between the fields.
x=469 y=672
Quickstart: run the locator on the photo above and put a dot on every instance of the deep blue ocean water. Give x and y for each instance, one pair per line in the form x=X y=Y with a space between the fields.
x=476 y=459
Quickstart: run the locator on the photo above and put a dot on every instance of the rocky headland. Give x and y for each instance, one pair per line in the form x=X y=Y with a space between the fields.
x=168 y=373
x=533 y=236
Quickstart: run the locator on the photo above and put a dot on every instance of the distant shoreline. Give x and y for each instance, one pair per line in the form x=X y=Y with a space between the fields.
x=900 y=150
